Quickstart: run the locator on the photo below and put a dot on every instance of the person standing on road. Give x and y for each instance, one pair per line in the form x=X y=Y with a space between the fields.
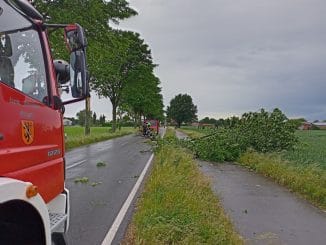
x=144 y=128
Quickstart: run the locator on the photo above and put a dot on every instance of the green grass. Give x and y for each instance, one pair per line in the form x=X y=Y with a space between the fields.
x=178 y=206
x=75 y=135
x=194 y=132
x=306 y=180
x=311 y=149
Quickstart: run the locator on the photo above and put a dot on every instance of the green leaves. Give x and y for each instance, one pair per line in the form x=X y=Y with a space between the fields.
x=83 y=180
x=117 y=60
x=100 y=164
x=182 y=109
x=262 y=131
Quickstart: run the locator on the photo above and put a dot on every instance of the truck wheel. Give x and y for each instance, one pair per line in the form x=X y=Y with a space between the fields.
x=58 y=239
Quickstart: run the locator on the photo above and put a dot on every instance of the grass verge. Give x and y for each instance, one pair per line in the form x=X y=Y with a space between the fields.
x=193 y=132
x=178 y=206
x=308 y=181
x=76 y=137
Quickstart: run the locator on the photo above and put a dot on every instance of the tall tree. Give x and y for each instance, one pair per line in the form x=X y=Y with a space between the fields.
x=102 y=120
x=94 y=16
x=94 y=120
x=81 y=117
x=116 y=61
x=142 y=93
x=182 y=109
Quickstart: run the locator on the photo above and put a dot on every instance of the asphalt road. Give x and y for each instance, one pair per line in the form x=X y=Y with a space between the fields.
x=94 y=205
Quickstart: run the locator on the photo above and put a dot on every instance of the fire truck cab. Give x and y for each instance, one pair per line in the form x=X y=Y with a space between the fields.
x=154 y=125
x=34 y=203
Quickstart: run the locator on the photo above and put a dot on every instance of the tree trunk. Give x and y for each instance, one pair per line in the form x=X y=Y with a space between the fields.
x=87 y=115
x=140 y=121
x=114 y=117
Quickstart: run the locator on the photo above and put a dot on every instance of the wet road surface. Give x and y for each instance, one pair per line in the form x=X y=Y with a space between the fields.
x=262 y=211
x=94 y=205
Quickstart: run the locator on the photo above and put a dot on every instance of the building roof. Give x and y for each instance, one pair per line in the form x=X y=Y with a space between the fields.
x=319 y=123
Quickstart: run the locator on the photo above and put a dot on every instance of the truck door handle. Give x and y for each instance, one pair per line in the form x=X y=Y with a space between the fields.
x=1 y=136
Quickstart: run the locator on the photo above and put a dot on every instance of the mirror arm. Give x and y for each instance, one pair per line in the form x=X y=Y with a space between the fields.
x=55 y=26
x=74 y=100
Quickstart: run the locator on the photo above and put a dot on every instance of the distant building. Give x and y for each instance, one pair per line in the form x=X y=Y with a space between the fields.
x=320 y=125
x=195 y=124
x=314 y=125
x=67 y=122
x=305 y=126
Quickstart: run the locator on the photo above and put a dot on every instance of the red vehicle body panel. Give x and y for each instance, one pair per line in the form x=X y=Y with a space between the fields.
x=41 y=162
x=155 y=125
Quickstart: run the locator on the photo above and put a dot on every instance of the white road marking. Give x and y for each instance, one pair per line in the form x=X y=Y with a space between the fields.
x=75 y=164
x=117 y=222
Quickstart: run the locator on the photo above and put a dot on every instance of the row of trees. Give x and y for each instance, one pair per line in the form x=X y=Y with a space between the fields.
x=92 y=118
x=120 y=62
x=221 y=122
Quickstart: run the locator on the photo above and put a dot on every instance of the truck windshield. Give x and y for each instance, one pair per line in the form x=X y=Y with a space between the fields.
x=10 y=19
x=22 y=64
x=21 y=58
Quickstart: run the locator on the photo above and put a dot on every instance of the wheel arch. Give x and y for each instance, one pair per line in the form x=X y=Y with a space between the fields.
x=17 y=211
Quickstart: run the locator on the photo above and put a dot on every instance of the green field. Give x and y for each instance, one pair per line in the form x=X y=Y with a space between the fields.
x=75 y=135
x=311 y=148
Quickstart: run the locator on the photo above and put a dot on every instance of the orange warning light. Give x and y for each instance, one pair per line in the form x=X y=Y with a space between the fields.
x=31 y=191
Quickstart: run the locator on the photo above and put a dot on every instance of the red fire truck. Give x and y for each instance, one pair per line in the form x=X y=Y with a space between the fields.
x=154 y=125
x=34 y=204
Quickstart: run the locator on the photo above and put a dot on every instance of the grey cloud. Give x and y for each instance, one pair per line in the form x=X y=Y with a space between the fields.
x=235 y=56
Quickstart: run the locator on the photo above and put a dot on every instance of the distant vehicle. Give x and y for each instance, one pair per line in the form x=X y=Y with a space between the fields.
x=155 y=125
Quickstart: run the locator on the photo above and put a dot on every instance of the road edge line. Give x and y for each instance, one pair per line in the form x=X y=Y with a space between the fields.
x=75 y=164
x=119 y=218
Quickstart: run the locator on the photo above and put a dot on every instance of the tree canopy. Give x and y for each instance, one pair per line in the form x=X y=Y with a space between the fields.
x=125 y=74
x=182 y=109
x=119 y=62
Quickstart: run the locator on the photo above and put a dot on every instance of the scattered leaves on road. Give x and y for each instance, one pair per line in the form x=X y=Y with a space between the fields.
x=101 y=164
x=83 y=180
x=96 y=183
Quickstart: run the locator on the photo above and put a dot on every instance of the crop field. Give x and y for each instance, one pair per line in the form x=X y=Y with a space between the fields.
x=75 y=135
x=311 y=148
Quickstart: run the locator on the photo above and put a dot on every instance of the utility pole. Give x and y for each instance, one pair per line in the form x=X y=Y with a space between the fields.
x=87 y=117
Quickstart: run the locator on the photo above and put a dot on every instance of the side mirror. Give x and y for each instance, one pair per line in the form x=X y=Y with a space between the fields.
x=75 y=37
x=78 y=74
x=62 y=71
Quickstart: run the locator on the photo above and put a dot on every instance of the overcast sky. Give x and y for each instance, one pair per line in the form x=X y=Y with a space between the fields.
x=234 y=56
